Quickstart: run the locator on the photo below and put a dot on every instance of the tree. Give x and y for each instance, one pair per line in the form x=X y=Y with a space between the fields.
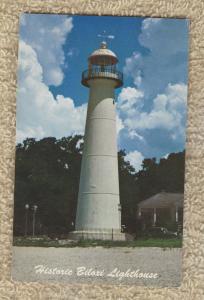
x=48 y=172
x=128 y=190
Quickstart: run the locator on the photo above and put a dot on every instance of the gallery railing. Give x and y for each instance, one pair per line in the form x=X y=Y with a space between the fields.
x=108 y=72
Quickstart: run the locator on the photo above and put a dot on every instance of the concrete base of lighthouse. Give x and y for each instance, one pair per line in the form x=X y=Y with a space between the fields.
x=104 y=235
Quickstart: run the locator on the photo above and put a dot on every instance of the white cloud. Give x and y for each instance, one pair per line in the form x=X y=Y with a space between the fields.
x=119 y=124
x=166 y=156
x=128 y=99
x=133 y=67
x=169 y=33
x=166 y=42
x=147 y=23
x=168 y=111
x=135 y=158
x=119 y=128
x=39 y=114
x=156 y=119
x=47 y=34
x=133 y=134
x=78 y=144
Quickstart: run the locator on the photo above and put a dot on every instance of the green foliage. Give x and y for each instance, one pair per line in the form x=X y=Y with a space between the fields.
x=162 y=243
x=166 y=175
x=48 y=172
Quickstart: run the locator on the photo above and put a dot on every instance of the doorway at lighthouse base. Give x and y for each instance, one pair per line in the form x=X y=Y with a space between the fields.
x=98 y=234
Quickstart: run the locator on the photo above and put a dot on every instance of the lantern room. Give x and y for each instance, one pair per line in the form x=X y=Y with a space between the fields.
x=102 y=64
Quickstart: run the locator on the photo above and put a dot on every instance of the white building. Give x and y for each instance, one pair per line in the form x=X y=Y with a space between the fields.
x=161 y=209
x=98 y=210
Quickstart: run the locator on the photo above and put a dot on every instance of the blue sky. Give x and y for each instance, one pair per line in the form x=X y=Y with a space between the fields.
x=151 y=105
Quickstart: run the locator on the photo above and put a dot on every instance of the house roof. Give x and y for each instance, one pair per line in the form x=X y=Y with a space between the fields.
x=163 y=200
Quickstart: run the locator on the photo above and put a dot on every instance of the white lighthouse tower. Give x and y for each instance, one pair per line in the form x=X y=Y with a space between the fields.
x=98 y=210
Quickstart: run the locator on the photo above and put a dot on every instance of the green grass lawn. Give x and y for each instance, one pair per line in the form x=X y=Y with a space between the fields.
x=150 y=242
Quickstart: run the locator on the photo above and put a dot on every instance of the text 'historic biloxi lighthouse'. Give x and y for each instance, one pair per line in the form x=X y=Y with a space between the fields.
x=98 y=210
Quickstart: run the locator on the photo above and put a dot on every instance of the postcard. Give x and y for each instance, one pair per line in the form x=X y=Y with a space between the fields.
x=100 y=149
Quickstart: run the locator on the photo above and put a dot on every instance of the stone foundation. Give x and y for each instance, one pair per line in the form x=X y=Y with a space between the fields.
x=109 y=235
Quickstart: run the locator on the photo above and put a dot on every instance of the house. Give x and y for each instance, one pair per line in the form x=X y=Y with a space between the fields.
x=161 y=209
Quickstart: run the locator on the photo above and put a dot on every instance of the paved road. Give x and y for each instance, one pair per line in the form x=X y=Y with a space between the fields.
x=142 y=266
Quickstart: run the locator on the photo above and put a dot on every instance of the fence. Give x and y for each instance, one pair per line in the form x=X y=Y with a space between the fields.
x=97 y=234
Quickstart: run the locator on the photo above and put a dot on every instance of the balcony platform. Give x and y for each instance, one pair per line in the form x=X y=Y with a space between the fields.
x=102 y=72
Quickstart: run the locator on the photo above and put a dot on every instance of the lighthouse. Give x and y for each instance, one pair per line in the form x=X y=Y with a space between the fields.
x=98 y=208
